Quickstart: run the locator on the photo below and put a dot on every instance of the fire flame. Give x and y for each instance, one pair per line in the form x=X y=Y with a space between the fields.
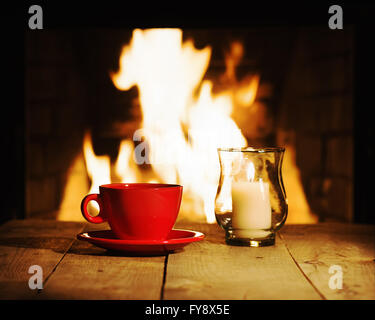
x=183 y=121
x=98 y=167
x=182 y=131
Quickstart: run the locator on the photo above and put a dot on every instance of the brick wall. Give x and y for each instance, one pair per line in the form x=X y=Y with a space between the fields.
x=55 y=100
x=317 y=105
x=68 y=91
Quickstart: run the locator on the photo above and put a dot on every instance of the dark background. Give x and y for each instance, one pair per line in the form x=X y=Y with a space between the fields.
x=73 y=16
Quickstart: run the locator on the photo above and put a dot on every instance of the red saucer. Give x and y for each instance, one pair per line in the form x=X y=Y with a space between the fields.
x=177 y=239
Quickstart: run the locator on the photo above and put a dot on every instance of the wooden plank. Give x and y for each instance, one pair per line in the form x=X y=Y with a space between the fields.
x=352 y=247
x=205 y=270
x=88 y=272
x=211 y=269
x=24 y=243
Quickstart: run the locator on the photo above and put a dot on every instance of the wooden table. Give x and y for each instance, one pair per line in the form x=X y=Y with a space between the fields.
x=297 y=267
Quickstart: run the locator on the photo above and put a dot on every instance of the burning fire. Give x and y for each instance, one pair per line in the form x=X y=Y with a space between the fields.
x=98 y=167
x=182 y=130
x=183 y=121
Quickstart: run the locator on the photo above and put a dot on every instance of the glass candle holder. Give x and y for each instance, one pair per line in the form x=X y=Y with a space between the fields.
x=251 y=203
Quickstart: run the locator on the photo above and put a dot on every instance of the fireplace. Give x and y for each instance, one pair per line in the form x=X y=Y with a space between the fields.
x=304 y=101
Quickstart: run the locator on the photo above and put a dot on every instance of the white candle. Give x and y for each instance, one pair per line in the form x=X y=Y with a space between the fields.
x=251 y=209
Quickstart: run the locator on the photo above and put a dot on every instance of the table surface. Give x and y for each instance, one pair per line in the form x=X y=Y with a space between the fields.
x=297 y=267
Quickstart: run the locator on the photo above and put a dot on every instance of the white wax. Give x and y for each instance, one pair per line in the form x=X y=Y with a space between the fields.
x=251 y=209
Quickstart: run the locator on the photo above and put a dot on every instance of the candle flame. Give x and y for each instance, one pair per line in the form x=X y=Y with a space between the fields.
x=250 y=171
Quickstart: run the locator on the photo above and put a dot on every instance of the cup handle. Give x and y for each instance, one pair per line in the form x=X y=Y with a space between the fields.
x=93 y=219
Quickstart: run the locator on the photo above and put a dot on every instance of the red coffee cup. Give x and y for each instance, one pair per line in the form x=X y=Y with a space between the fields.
x=144 y=211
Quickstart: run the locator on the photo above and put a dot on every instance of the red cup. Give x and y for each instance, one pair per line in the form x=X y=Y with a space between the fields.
x=144 y=211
